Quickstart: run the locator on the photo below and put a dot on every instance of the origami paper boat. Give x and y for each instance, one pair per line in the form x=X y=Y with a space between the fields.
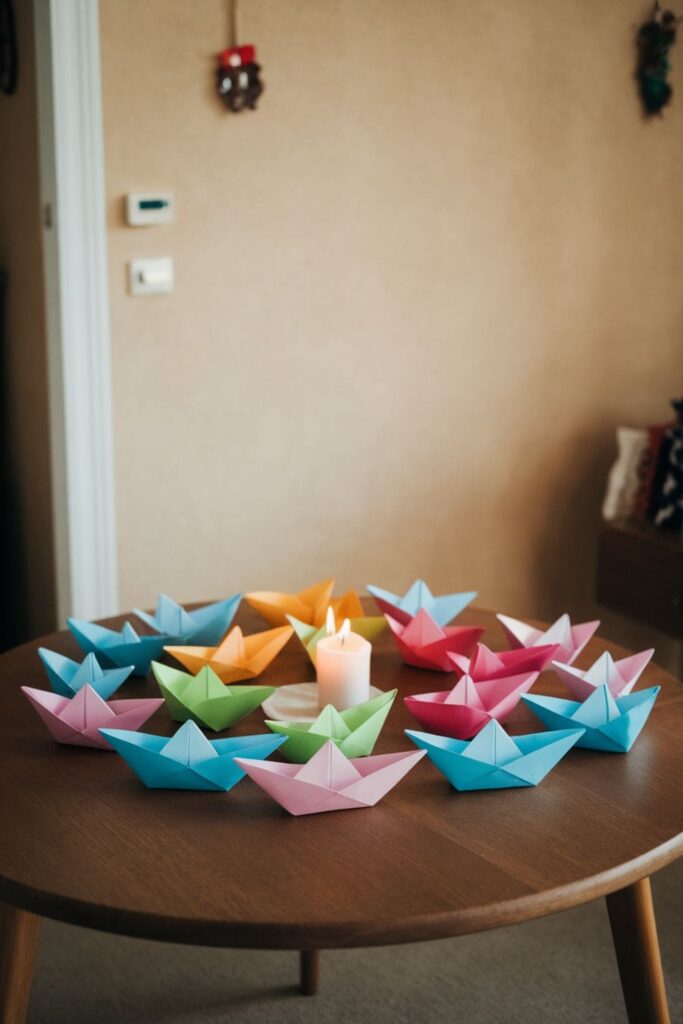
x=488 y=664
x=369 y=626
x=417 y=597
x=609 y=724
x=205 y=625
x=309 y=606
x=425 y=644
x=67 y=677
x=205 y=699
x=620 y=676
x=353 y=731
x=348 y=606
x=464 y=711
x=188 y=760
x=77 y=720
x=237 y=656
x=330 y=781
x=119 y=648
x=494 y=760
x=571 y=640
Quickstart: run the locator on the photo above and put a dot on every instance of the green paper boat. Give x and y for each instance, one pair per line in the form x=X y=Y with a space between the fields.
x=354 y=731
x=368 y=626
x=205 y=699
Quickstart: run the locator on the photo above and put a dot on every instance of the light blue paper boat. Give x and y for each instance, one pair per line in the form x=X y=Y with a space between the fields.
x=494 y=760
x=442 y=609
x=67 y=677
x=611 y=724
x=188 y=760
x=119 y=648
x=202 y=627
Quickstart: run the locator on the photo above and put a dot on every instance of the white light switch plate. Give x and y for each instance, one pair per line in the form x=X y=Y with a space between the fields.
x=150 y=277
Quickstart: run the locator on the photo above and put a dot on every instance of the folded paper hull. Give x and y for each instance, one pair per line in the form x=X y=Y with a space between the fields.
x=76 y=721
x=67 y=677
x=443 y=609
x=188 y=760
x=436 y=656
x=300 y=790
x=466 y=709
x=570 y=639
x=620 y=676
x=205 y=699
x=209 y=623
x=309 y=606
x=458 y=721
x=354 y=731
x=486 y=664
x=115 y=653
x=534 y=757
x=245 y=658
x=217 y=714
x=615 y=735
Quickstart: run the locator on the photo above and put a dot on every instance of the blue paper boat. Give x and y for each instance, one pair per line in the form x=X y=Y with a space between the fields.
x=67 y=677
x=494 y=760
x=202 y=627
x=609 y=723
x=418 y=596
x=188 y=760
x=120 y=648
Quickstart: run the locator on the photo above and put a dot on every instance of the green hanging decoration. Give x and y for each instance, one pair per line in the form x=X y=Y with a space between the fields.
x=656 y=37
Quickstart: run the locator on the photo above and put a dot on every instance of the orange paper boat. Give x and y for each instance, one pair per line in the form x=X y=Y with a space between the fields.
x=237 y=656
x=309 y=606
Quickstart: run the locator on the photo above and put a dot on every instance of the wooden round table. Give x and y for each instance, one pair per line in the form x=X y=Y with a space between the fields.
x=83 y=841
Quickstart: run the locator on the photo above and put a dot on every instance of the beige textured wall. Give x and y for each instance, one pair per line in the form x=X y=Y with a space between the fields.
x=416 y=292
x=27 y=574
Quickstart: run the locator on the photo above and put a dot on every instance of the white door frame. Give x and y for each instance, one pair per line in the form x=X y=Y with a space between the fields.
x=77 y=305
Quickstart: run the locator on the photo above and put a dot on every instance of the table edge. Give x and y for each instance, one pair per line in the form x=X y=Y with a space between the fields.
x=338 y=934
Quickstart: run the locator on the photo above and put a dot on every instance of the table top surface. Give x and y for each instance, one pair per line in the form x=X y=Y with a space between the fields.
x=84 y=841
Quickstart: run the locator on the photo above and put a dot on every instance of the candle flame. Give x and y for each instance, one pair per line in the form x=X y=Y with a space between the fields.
x=330 y=625
x=345 y=630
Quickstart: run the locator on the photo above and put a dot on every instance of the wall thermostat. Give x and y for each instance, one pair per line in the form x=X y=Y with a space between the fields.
x=149 y=208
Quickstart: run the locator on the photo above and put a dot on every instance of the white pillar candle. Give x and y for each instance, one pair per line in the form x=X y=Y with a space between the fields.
x=343 y=669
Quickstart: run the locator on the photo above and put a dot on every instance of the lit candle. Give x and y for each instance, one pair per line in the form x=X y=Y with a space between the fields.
x=343 y=666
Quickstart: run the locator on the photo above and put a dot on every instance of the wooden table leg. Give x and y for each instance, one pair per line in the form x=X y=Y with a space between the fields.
x=309 y=971
x=19 y=932
x=634 y=931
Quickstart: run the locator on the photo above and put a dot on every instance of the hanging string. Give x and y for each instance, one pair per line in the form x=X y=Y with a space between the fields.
x=233 y=25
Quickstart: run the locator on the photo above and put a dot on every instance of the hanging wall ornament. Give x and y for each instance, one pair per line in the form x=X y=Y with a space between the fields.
x=666 y=502
x=237 y=75
x=655 y=40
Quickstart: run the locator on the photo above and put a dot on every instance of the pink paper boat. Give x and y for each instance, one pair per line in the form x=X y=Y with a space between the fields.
x=330 y=781
x=488 y=664
x=571 y=640
x=425 y=644
x=464 y=711
x=620 y=676
x=76 y=720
